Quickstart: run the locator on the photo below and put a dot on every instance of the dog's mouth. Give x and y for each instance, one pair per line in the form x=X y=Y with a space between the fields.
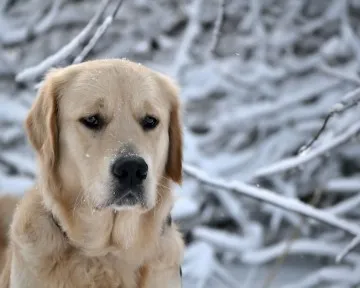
x=127 y=198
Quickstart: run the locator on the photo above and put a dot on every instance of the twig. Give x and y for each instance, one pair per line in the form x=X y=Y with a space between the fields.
x=217 y=27
x=344 y=185
x=233 y=207
x=302 y=246
x=225 y=275
x=348 y=33
x=355 y=242
x=227 y=241
x=181 y=58
x=293 y=162
x=345 y=206
x=52 y=20
x=7 y=68
x=338 y=74
x=255 y=111
x=332 y=273
x=46 y=23
x=296 y=233
x=99 y=32
x=267 y=196
x=349 y=100
x=36 y=71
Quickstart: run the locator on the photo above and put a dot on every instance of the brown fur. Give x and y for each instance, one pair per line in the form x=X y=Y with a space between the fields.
x=96 y=246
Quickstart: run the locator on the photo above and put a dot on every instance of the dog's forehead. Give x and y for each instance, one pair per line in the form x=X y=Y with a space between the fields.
x=115 y=86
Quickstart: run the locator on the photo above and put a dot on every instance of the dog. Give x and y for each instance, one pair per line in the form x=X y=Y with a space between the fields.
x=108 y=139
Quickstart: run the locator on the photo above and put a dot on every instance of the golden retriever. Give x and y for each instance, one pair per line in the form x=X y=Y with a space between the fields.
x=108 y=138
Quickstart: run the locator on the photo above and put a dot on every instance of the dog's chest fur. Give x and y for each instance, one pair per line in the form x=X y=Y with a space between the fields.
x=39 y=247
x=107 y=271
x=78 y=271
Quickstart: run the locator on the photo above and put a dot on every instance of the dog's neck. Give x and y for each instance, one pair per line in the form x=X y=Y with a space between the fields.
x=97 y=233
x=56 y=223
x=166 y=224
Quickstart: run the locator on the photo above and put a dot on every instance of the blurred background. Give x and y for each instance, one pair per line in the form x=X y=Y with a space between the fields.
x=258 y=79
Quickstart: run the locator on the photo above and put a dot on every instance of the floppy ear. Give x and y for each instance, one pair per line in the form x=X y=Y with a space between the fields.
x=173 y=167
x=41 y=122
x=174 y=162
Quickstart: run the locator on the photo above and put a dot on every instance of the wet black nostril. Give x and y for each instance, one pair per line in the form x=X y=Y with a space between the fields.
x=130 y=170
x=122 y=174
x=141 y=174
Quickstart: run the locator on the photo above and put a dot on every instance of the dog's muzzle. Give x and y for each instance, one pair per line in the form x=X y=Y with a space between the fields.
x=129 y=174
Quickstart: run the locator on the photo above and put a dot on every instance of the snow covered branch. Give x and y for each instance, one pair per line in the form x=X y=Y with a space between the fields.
x=99 y=32
x=294 y=162
x=267 y=196
x=34 y=72
x=217 y=26
x=302 y=246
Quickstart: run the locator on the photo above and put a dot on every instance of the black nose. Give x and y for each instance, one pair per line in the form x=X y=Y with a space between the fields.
x=130 y=170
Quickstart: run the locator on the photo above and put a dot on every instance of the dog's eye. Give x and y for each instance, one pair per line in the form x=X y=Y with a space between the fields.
x=93 y=122
x=149 y=122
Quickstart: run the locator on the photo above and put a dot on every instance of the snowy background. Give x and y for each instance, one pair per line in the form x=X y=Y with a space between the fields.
x=262 y=205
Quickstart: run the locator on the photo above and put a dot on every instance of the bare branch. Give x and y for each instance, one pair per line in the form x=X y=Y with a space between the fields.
x=302 y=246
x=217 y=27
x=349 y=100
x=338 y=74
x=293 y=162
x=267 y=196
x=99 y=32
x=52 y=20
x=345 y=206
x=181 y=58
x=355 y=242
x=343 y=185
x=328 y=274
x=225 y=241
x=46 y=23
x=33 y=72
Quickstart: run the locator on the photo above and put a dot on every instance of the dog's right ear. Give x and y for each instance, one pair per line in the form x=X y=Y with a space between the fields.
x=173 y=168
x=41 y=122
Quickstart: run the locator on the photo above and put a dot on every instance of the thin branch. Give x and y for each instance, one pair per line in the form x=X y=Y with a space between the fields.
x=53 y=19
x=338 y=74
x=345 y=206
x=327 y=274
x=225 y=275
x=217 y=27
x=296 y=233
x=294 y=162
x=355 y=242
x=267 y=196
x=181 y=58
x=46 y=23
x=33 y=72
x=348 y=33
x=299 y=247
x=99 y=32
x=346 y=185
x=349 y=100
x=226 y=241
x=7 y=67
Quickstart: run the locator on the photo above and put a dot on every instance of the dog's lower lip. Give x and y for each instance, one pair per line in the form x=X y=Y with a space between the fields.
x=128 y=199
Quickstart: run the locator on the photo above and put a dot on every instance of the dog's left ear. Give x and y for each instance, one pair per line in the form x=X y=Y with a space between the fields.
x=173 y=167
x=41 y=122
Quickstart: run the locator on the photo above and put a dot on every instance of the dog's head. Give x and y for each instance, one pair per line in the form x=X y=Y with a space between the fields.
x=109 y=132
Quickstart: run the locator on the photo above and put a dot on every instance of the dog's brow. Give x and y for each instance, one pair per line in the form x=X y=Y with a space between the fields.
x=96 y=104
